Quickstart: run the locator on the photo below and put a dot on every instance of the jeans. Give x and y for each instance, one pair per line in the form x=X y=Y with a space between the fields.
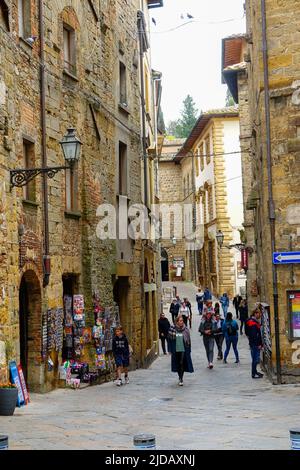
x=200 y=308
x=242 y=324
x=232 y=340
x=255 y=354
x=174 y=316
x=179 y=361
x=225 y=308
x=219 y=342
x=209 y=343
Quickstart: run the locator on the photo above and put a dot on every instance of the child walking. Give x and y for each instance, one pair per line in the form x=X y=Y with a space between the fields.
x=120 y=347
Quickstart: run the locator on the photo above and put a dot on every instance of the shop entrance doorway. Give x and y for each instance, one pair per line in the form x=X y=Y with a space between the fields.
x=30 y=318
x=164 y=265
x=121 y=291
x=70 y=288
x=70 y=284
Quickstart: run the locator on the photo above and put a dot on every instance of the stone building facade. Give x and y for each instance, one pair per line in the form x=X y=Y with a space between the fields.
x=86 y=55
x=172 y=193
x=234 y=74
x=272 y=126
x=214 y=145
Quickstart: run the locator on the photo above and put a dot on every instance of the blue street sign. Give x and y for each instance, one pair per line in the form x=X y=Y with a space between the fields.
x=288 y=257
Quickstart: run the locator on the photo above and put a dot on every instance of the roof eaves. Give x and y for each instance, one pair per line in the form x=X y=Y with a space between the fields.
x=200 y=125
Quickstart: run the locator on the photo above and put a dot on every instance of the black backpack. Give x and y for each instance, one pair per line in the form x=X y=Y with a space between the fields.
x=231 y=329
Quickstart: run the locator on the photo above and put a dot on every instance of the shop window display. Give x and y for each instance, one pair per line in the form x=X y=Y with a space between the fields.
x=77 y=336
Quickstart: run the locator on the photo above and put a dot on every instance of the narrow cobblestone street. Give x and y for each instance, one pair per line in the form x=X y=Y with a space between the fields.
x=219 y=409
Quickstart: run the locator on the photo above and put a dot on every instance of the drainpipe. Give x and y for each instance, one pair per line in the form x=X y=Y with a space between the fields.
x=46 y=256
x=271 y=204
x=144 y=143
x=194 y=220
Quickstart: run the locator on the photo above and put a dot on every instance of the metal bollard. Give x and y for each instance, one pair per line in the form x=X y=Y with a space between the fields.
x=3 y=442
x=144 y=441
x=295 y=439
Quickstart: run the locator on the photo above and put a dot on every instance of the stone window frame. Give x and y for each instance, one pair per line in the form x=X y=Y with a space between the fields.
x=202 y=151
x=123 y=92
x=68 y=20
x=123 y=169
x=69 y=37
x=71 y=189
x=29 y=160
x=4 y=14
x=197 y=163
x=207 y=148
x=212 y=208
x=24 y=19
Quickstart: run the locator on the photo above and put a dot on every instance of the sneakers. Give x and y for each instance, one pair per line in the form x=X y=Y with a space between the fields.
x=118 y=382
x=126 y=380
x=258 y=375
x=180 y=383
x=210 y=365
x=237 y=362
x=224 y=361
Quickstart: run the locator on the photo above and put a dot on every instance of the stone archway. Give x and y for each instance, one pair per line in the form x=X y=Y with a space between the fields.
x=30 y=321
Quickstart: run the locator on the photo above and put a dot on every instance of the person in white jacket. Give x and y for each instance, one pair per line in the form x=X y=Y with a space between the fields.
x=184 y=312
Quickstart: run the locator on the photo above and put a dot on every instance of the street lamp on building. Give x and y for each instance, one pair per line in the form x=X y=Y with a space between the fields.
x=220 y=238
x=71 y=147
x=238 y=246
x=245 y=250
x=174 y=241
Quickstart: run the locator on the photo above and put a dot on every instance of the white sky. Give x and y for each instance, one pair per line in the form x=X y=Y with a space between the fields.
x=190 y=57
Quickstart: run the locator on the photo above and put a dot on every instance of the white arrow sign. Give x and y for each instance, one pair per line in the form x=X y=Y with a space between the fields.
x=288 y=257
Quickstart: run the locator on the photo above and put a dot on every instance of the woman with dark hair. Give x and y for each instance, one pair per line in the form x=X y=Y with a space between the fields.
x=180 y=347
x=217 y=308
x=230 y=329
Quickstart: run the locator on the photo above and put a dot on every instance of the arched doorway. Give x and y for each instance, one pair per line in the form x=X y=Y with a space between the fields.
x=30 y=320
x=164 y=265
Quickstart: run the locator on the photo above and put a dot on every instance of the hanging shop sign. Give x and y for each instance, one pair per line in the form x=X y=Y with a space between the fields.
x=244 y=259
x=178 y=262
x=294 y=313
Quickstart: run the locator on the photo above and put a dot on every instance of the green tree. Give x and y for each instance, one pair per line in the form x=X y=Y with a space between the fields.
x=182 y=127
x=229 y=99
x=172 y=128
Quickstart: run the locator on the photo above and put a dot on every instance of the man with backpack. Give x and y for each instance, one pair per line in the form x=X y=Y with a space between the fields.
x=230 y=329
x=253 y=332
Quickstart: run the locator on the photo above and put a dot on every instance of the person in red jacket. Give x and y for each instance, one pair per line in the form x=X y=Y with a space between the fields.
x=253 y=332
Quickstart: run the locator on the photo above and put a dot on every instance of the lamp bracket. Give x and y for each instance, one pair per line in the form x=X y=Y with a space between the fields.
x=21 y=177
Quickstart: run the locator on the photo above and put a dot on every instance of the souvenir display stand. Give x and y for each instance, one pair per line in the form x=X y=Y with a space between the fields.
x=87 y=351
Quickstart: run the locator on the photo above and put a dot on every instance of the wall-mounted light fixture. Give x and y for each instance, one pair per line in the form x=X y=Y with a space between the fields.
x=71 y=147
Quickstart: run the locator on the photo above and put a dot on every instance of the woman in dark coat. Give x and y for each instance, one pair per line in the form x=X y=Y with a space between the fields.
x=180 y=347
